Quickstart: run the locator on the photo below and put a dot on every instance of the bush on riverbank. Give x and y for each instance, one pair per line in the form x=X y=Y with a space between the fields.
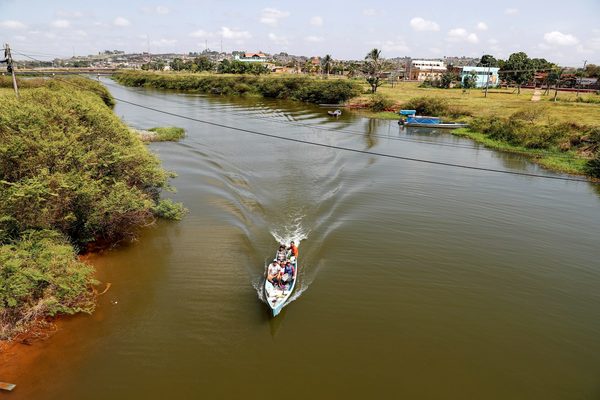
x=167 y=134
x=561 y=146
x=294 y=88
x=378 y=102
x=74 y=82
x=70 y=172
x=434 y=107
x=526 y=128
x=40 y=276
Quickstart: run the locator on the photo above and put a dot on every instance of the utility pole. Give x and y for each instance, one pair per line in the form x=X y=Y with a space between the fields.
x=10 y=68
x=579 y=80
x=487 y=82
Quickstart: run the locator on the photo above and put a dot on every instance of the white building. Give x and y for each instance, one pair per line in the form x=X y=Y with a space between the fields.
x=422 y=70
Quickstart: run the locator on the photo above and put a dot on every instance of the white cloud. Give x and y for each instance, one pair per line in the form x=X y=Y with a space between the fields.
x=69 y=14
x=234 y=34
x=120 y=21
x=420 y=24
x=482 y=26
x=560 y=39
x=271 y=16
x=20 y=38
x=225 y=32
x=161 y=10
x=461 y=35
x=369 y=12
x=316 y=21
x=80 y=32
x=511 y=11
x=394 y=46
x=200 y=33
x=61 y=23
x=12 y=24
x=313 y=39
x=493 y=41
x=279 y=40
x=163 y=42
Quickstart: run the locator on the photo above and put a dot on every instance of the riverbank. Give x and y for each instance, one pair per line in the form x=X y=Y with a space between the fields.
x=72 y=178
x=562 y=136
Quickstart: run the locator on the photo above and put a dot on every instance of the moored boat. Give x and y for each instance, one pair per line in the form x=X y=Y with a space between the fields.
x=426 y=122
x=278 y=293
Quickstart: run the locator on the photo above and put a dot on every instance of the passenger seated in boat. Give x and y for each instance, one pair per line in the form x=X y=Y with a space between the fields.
x=274 y=272
x=293 y=249
x=281 y=253
x=288 y=272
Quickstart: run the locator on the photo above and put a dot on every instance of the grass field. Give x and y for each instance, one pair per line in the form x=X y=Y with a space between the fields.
x=499 y=102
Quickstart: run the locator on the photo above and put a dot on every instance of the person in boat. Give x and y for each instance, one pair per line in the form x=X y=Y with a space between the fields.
x=293 y=249
x=281 y=253
x=274 y=272
x=287 y=273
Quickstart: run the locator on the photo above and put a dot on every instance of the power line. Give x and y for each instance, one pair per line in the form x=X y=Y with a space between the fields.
x=357 y=133
x=307 y=142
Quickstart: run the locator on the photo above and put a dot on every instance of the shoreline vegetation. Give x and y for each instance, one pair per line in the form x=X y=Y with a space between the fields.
x=302 y=88
x=73 y=178
x=160 y=134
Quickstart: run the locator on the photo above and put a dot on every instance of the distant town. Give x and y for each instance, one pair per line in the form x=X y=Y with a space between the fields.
x=484 y=71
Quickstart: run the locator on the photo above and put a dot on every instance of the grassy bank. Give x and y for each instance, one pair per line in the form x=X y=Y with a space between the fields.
x=71 y=175
x=562 y=136
x=499 y=102
x=302 y=88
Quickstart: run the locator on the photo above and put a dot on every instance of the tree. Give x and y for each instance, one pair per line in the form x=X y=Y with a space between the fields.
x=519 y=69
x=592 y=71
x=553 y=78
x=326 y=62
x=372 y=68
x=487 y=60
x=177 y=64
x=470 y=81
x=203 y=63
x=447 y=78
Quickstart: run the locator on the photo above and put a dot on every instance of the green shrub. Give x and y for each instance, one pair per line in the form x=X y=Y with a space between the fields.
x=427 y=105
x=68 y=163
x=168 y=209
x=167 y=134
x=295 y=88
x=379 y=102
x=593 y=166
x=70 y=172
x=40 y=276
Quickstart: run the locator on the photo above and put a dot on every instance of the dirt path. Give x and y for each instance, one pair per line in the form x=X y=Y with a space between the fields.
x=536 y=95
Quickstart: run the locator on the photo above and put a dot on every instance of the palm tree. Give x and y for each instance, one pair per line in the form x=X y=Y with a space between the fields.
x=372 y=67
x=327 y=61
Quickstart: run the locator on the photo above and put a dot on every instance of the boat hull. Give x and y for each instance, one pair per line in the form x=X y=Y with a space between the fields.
x=439 y=126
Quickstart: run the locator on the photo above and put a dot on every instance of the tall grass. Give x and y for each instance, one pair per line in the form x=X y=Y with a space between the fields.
x=564 y=146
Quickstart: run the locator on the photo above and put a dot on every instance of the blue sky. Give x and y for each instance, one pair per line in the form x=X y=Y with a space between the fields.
x=563 y=32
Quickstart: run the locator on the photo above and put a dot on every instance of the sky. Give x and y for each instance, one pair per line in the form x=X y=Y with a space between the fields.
x=567 y=33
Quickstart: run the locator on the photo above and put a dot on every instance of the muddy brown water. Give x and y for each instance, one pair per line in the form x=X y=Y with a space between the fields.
x=416 y=280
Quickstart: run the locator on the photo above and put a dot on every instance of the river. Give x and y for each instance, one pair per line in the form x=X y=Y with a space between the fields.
x=417 y=281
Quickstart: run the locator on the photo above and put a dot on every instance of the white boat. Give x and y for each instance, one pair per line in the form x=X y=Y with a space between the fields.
x=277 y=296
